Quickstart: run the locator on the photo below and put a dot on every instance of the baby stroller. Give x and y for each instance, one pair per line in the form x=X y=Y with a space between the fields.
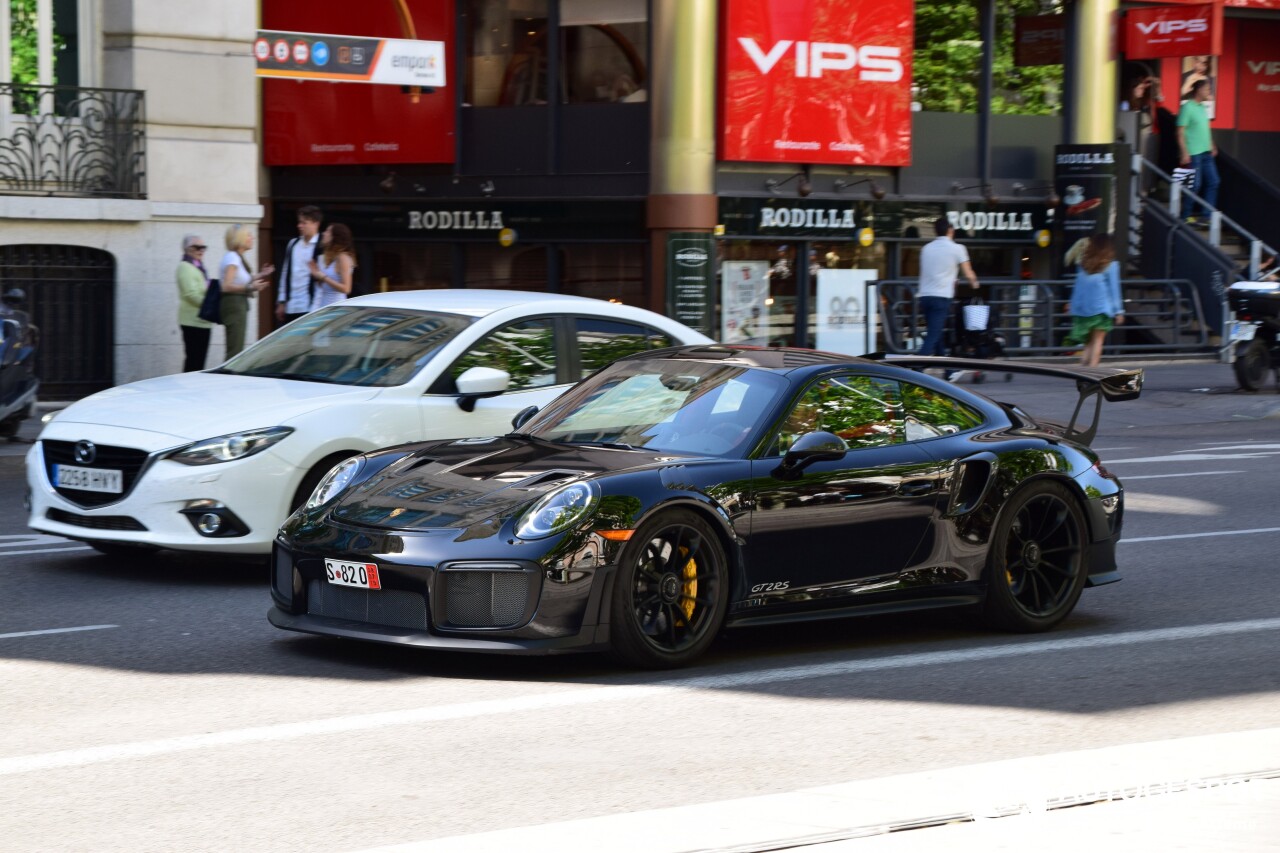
x=975 y=336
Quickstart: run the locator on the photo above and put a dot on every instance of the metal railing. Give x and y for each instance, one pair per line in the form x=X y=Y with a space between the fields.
x=72 y=141
x=1217 y=219
x=1031 y=316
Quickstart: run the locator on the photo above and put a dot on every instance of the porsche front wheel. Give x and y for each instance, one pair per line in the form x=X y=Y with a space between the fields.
x=1038 y=562
x=670 y=596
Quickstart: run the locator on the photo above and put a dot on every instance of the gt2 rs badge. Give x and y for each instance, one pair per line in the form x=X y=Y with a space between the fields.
x=771 y=587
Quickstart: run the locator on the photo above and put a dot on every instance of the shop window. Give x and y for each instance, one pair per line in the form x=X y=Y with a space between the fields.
x=602 y=341
x=507 y=268
x=862 y=410
x=611 y=271
x=413 y=266
x=526 y=350
x=507 y=63
x=603 y=44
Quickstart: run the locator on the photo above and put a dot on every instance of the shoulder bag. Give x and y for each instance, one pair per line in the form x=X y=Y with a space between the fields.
x=211 y=307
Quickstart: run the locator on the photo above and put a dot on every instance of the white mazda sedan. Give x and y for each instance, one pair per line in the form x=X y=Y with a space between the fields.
x=216 y=460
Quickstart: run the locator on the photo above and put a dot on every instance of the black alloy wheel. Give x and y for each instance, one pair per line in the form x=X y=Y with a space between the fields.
x=1252 y=363
x=670 y=596
x=1038 y=562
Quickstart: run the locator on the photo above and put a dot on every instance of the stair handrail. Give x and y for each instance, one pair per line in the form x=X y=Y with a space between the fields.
x=1216 y=217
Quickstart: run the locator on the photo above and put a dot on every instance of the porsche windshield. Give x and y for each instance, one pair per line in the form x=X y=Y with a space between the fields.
x=346 y=345
x=666 y=405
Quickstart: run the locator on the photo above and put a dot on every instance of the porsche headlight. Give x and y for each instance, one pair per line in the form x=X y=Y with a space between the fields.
x=559 y=511
x=335 y=481
x=226 y=448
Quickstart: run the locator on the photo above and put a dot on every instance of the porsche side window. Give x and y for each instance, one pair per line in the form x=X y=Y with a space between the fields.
x=601 y=341
x=930 y=414
x=864 y=411
x=526 y=350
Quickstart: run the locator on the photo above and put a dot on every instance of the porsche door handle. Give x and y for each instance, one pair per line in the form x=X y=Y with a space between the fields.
x=917 y=488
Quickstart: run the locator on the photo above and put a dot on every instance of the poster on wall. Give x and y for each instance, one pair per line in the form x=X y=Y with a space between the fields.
x=824 y=81
x=327 y=122
x=744 y=307
x=1180 y=73
x=845 y=325
x=690 y=277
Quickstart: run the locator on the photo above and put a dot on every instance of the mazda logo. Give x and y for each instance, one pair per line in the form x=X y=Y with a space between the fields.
x=86 y=452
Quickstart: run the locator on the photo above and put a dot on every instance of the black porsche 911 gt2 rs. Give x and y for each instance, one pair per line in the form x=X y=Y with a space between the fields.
x=679 y=492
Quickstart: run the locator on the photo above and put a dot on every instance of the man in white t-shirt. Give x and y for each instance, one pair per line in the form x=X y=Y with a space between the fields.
x=294 y=287
x=941 y=261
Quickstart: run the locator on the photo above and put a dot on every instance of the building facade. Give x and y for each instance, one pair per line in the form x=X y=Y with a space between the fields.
x=135 y=125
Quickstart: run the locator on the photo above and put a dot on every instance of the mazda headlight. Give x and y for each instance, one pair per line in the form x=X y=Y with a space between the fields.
x=226 y=448
x=335 y=481
x=559 y=511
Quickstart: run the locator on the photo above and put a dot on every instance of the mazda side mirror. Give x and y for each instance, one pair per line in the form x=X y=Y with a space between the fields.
x=477 y=382
x=809 y=448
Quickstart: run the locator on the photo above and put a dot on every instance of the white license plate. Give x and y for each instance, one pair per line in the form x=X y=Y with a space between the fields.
x=347 y=573
x=1243 y=331
x=88 y=479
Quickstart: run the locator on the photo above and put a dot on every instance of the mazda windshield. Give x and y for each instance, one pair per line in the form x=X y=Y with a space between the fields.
x=347 y=345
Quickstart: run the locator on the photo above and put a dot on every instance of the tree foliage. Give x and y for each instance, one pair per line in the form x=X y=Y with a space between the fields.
x=948 y=60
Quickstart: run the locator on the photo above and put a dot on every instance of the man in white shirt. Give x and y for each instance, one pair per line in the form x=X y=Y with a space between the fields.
x=295 y=287
x=940 y=263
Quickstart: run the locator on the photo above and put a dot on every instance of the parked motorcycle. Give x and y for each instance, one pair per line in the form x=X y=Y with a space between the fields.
x=1255 y=331
x=18 y=383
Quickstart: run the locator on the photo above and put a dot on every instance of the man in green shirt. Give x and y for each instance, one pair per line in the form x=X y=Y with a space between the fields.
x=1195 y=143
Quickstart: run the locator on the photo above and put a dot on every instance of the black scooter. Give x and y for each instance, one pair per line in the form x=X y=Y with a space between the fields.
x=18 y=383
x=1255 y=332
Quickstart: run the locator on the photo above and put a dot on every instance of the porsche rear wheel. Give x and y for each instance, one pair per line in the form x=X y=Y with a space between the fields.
x=670 y=596
x=1039 y=559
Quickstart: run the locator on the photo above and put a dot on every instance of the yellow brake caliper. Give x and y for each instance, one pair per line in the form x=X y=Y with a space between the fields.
x=690 y=588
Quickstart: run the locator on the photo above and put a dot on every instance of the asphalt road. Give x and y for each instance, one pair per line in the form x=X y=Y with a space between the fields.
x=167 y=714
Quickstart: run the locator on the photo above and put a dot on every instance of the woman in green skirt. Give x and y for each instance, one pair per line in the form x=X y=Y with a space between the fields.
x=1096 y=305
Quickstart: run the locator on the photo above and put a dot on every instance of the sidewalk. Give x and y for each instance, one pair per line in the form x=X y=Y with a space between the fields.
x=1212 y=793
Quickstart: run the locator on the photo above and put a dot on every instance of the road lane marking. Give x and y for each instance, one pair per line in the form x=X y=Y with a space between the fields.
x=595 y=695
x=1128 y=477
x=56 y=631
x=1191 y=457
x=4 y=553
x=1199 y=535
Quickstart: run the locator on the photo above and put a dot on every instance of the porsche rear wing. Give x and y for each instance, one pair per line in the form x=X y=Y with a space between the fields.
x=1099 y=383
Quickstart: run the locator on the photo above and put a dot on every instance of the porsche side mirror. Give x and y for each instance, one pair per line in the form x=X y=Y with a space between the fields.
x=477 y=382
x=809 y=448
x=522 y=417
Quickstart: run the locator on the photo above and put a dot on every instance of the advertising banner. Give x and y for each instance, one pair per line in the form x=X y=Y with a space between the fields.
x=1259 y=77
x=1093 y=183
x=1039 y=40
x=690 y=277
x=823 y=81
x=847 y=316
x=349 y=59
x=1181 y=30
x=309 y=119
x=744 y=309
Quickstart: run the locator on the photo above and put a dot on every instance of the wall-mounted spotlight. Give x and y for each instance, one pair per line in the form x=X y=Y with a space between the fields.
x=487 y=188
x=803 y=187
x=1050 y=200
x=988 y=195
x=388 y=183
x=877 y=192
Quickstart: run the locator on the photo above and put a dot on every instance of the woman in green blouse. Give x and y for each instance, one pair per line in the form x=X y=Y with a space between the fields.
x=193 y=281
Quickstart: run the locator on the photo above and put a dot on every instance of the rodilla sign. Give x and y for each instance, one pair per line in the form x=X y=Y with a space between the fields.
x=825 y=81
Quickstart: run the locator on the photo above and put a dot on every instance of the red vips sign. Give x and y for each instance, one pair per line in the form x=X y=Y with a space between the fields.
x=1159 y=31
x=817 y=81
x=1259 y=76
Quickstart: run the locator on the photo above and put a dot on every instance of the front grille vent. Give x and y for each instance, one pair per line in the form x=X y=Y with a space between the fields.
x=127 y=460
x=396 y=608
x=95 y=522
x=485 y=599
